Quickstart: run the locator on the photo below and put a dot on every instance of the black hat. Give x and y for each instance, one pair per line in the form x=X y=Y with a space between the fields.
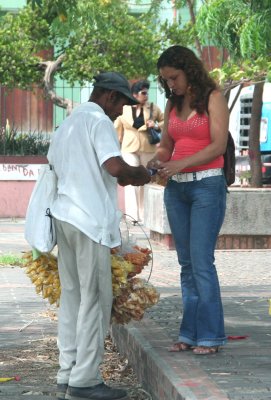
x=115 y=81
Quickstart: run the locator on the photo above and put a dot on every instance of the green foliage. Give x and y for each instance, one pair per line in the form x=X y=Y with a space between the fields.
x=95 y=35
x=244 y=70
x=22 y=36
x=254 y=33
x=51 y=9
x=172 y=34
x=109 y=38
x=98 y=35
x=11 y=260
x=245 y=176
x=219 y=22
x=243 y=28
x=14 y=143
x=259 y=5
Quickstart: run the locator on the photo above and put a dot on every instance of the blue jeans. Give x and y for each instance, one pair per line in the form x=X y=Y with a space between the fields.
x=196 y=212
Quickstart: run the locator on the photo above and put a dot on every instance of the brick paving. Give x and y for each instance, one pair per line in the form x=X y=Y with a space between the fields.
x=24 y=320
x=241 y=371
x=12 y=236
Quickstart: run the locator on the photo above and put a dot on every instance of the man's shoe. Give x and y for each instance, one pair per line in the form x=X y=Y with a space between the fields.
x=61 y=391
x=97 y=392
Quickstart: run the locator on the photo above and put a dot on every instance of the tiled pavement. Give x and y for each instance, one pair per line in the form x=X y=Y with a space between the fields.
x=241 y=371
x=24 y=320
x=11 y=236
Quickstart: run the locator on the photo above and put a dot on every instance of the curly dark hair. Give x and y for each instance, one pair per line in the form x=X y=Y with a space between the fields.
x=198 y=79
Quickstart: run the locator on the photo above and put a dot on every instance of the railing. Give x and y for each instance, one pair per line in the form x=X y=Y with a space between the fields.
x=27 y=117
x=29 y=111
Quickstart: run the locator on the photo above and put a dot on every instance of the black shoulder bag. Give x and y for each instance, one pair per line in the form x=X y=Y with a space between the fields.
x=229 y=156
x=154 y=135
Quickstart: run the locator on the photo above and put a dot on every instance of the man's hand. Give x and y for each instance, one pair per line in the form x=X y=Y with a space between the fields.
x=138 y=176
x=142 y=176
x=123 y=182
x=125 y=173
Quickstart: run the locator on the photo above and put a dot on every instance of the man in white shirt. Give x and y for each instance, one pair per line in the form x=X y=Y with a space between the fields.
x=87 y=160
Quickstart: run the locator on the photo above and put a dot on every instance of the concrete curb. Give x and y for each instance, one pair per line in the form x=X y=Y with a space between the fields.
x=163 y=374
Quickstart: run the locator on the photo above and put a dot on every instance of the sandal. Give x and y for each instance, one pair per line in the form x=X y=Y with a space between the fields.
x=180 y=346
x=205 y=350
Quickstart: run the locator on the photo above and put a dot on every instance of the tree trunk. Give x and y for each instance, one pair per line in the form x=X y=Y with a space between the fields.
x=254 y=137
x=190 y=4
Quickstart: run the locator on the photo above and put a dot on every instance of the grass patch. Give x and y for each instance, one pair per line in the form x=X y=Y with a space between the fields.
x=11 y=259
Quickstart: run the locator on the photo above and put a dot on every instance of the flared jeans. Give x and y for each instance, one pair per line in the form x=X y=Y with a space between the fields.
x=196 y=212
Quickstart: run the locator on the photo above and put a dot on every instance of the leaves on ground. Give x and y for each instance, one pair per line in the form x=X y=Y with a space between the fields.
x=37 y=363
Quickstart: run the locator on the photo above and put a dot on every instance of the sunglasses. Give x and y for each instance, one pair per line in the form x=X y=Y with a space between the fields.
x=143 y=92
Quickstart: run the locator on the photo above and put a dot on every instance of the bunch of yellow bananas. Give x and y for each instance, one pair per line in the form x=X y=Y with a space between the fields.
x=43 y=273
x=120 y=271
x=131 y=295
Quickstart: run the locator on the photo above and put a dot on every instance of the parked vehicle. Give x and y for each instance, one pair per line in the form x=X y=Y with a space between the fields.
x=266 y=168
x=242 y=168
x=240 y=125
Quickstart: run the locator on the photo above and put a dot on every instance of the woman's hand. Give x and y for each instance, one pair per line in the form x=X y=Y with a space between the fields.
x=170 y=168
x=151 y=124
x=154 y=163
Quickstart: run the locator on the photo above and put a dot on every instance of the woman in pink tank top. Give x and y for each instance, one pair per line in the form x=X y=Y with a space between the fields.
x=190 y=157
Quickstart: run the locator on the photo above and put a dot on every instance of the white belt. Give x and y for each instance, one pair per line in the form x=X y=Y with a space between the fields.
x=196 y=176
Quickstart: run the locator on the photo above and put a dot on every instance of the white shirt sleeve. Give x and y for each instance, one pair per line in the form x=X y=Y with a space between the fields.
x=105 y=141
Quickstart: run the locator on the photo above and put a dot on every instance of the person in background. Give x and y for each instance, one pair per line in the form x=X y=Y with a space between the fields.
x=135 y=147
x=190 y=156
x=85 y=154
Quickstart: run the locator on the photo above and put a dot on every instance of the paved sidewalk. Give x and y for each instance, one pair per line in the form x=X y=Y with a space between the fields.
x=24 y=322
x=12 y=236
x=241 y=371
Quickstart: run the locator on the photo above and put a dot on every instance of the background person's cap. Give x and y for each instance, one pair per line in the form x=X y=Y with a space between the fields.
x=115 y=81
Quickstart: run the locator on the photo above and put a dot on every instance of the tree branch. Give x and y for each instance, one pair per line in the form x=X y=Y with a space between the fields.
x=51 y=68
x=236 y=97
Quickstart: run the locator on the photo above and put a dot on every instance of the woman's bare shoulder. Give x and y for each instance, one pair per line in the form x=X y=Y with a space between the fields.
x=217 y=98
x=218 y=106
x=216 y=94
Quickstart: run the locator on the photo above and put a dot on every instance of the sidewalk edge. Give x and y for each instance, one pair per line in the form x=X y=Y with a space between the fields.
x=165 y=375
